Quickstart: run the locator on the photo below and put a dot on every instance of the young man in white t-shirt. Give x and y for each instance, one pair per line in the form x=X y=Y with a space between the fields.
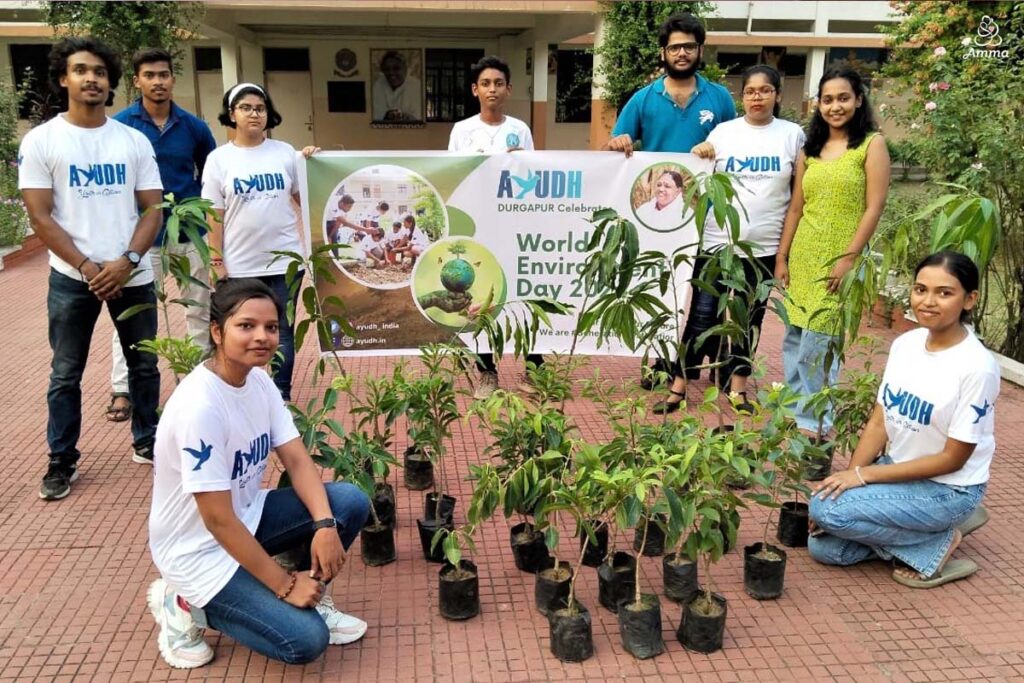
x=492 y=130
x=87 y=182
x=340 y=229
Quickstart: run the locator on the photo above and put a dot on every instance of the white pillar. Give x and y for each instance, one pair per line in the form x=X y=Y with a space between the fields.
x=815 y=70
x=230 y=70
x=539 y=96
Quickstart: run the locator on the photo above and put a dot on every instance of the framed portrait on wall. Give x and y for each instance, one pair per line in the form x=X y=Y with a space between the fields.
x=396 y=96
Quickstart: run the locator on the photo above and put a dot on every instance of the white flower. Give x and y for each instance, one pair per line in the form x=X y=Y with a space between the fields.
x=939 y=51
x=930 y=106
x=915 y=126
x=778 y=386
x=978 y=166
x=966 y=42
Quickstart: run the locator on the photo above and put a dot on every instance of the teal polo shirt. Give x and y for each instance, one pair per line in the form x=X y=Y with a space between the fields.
x=651 y=115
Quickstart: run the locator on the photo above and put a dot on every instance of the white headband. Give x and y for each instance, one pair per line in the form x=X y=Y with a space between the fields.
x=241 y=86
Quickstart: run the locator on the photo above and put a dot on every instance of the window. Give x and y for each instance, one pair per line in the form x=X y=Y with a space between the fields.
x=402 y=209
x=865 y=60
x=207 y=59
x=285 y=59
x=30 y=64
x=447 y=84
x=572 y=86
x=735 y=62
x=376 y=192
x=403 y=189
x=366 y=192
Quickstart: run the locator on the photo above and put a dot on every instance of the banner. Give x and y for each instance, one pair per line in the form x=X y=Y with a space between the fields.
x=430 y=237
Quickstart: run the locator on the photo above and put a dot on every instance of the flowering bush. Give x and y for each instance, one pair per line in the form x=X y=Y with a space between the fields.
x=960 y=64
x=13 y=221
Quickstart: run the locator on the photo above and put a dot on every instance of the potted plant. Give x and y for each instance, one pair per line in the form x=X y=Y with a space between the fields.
x=376 y=409
x=432 y=409
x=780 y=453
x=707 y=511
x=458 y=580
x=521 y=431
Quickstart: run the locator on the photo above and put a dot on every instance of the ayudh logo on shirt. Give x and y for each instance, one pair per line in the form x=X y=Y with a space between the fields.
x=908 y=405
x=753 y=164
x=97 y=179
x=258 y=182
x=259 y=449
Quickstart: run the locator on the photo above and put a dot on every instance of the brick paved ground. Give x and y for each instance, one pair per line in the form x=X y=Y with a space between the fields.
x=73 y=573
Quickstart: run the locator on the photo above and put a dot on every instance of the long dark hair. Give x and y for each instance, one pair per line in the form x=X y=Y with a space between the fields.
x=773 y=76
x=862 y=123
x=959 y=266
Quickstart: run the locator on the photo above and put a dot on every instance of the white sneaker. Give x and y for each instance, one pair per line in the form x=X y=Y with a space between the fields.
x=180 y=640
x=486 y=386
x=344 y=628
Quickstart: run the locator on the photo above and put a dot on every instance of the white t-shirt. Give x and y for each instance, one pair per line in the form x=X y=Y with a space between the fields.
x=94 y=174
x=406 y=98
x=419 y=239
x=666 y=218
x=763 y=158
x=254 y=187
x=369 y=244
x=392 y=238
x=931 y=396
x=211 y=437
x=474 y=135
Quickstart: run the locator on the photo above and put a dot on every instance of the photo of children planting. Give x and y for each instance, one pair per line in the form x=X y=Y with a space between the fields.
x=384 y=217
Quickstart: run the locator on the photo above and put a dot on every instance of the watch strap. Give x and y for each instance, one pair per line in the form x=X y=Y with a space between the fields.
x=326 y=523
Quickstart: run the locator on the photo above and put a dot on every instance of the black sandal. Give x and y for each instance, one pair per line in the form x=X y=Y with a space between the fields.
x=667 y=407
x=122 y=413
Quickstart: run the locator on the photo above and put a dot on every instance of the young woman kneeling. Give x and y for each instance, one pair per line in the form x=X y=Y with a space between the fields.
x=935 y=408
x=212 y=529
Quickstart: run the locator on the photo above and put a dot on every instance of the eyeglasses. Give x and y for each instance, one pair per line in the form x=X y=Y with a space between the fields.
x=248 y=109
x=688 y=48
x=765 y=92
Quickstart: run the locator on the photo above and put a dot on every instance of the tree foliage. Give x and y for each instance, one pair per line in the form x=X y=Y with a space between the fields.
x=629 y=51
x=960 y=64
x=128 y=26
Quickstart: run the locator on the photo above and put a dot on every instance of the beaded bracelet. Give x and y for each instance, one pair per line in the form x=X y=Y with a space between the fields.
x=291 y=585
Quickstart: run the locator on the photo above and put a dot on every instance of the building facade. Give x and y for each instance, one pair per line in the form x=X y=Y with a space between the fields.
x=327 y=63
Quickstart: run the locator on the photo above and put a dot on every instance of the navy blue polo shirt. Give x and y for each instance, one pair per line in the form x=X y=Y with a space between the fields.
x=651 y=115
x=181 y=150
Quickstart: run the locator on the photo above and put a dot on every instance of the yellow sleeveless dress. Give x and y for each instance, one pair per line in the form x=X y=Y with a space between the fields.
x=834 y=201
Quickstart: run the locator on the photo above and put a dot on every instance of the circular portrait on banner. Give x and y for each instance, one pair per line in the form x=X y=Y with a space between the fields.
x=382 y=219
x=658 y=197
x=457 y=279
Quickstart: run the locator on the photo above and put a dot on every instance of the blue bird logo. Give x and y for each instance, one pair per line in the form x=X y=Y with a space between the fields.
x=981 y=411
x=90 y=175
x=201 y=455
x=892 y=399
x=526 y=184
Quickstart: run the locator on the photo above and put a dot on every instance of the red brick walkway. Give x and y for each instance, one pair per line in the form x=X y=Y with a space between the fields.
x=73 y=573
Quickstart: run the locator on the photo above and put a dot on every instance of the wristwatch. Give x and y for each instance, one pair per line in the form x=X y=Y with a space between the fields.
x=328 y=523
x=133 y=257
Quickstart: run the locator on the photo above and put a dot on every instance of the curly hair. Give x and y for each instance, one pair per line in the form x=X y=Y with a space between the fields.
x=69 y=46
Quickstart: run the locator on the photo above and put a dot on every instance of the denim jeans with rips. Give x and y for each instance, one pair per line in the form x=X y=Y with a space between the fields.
x=72 y=311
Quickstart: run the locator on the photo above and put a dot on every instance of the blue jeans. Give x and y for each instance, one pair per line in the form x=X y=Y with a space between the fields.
x=803 y=364
x=284 y=364
x=251 y=613
x=910 y=520
x=72 y=311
